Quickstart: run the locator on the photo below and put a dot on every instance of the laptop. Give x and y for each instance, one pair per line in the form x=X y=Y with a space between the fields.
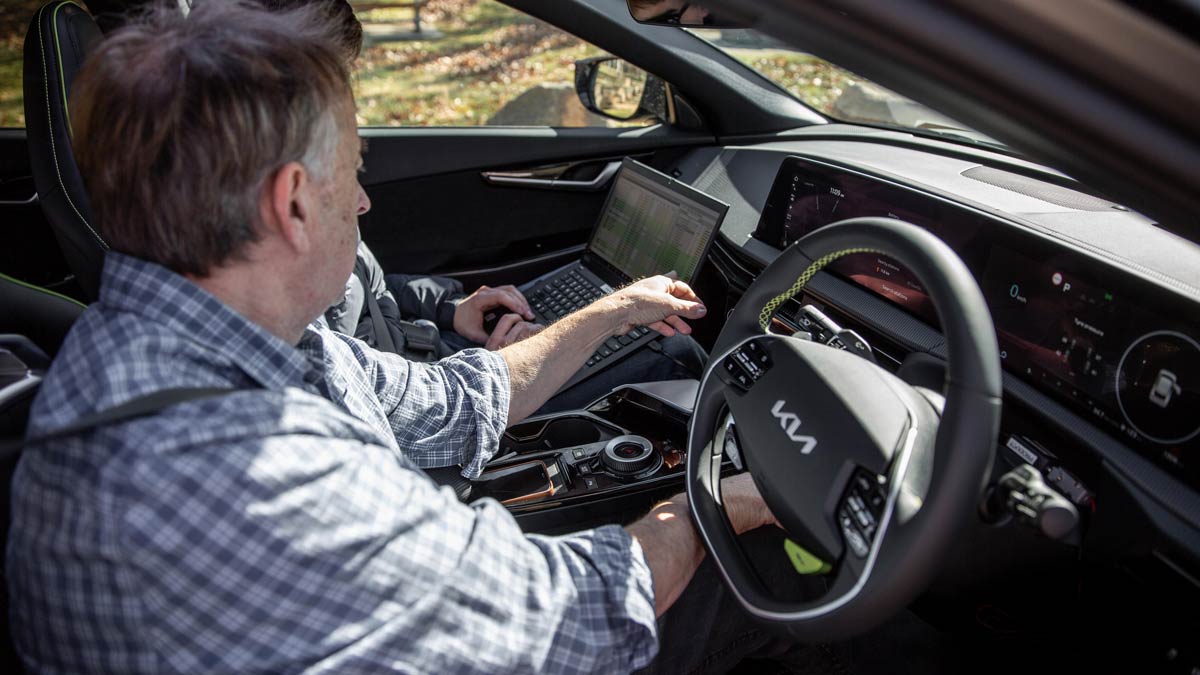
x=650 y=224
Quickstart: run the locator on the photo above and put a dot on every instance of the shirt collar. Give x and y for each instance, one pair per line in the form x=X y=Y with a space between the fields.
x=161 y=296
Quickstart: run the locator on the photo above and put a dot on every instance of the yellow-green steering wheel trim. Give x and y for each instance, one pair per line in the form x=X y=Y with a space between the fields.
x=764 y=317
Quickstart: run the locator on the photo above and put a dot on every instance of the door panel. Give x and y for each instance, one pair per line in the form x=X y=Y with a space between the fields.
x=434 y=209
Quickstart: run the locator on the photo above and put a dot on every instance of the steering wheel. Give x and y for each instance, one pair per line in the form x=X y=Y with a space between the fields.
x=870 y=476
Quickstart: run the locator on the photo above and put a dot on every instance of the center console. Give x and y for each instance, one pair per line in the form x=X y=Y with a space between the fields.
x=631 y=442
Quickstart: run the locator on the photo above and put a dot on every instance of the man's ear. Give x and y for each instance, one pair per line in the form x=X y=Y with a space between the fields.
x=285 y=206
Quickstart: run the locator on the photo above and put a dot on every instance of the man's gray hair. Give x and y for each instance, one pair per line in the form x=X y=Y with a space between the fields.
x=179 y=122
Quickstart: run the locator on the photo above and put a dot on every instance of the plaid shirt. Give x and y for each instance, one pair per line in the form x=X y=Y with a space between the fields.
x=285 y=527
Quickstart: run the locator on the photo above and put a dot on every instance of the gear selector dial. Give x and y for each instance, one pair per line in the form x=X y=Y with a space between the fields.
x=629 y=456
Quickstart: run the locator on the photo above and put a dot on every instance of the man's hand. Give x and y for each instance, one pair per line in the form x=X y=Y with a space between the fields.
x=468 y=315
x=744 y=504
x=660 y=302
x=671 y=544
x=509 y=329
x=539 y=366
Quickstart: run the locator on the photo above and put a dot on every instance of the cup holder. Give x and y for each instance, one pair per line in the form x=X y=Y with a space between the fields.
x=555 y=433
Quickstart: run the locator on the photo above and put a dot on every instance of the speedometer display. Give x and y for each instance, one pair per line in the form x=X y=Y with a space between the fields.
x=1116 y=348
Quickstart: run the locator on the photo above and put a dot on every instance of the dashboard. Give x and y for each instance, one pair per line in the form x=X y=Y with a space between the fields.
x=1097 y=310
x=1104 y=343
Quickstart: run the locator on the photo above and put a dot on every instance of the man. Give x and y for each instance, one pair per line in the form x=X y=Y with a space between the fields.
x=284 y=526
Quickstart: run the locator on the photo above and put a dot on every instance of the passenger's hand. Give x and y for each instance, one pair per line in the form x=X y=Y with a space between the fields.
x=744 y=505
x=509 y=329
x=660 y=302
x=468 y=316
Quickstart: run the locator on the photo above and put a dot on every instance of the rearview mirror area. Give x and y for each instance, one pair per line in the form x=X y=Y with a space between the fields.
x=681 y=13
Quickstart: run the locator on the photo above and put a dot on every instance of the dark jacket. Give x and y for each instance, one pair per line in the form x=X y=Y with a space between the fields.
x=402 y=300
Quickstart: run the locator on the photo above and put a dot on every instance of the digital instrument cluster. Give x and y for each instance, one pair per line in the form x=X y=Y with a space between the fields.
x=1114 y=347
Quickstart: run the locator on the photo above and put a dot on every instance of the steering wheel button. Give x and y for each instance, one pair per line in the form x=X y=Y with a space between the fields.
x=758 y=355
x=736 y=374
x=856 y=542
x=864 y=519
x=749 y=365
x=875 y=501
x=846 y=521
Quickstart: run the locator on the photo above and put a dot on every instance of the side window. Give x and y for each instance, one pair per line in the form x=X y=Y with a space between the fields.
x=14 y=20
x=452 y=63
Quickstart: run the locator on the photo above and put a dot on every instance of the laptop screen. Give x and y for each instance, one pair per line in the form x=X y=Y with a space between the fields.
x=653 y=224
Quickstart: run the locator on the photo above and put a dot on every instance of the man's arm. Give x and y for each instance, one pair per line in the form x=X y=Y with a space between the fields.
x=444 y=413
x=382 y=567
x=672 y=545
x=540 y=364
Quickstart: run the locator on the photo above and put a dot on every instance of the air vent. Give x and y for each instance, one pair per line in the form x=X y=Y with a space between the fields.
x=1030 y=187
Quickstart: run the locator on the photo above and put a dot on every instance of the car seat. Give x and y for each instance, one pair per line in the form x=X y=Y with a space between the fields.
x=33 y=323
x=43 y=316
x=21 y=366
x=60 y=37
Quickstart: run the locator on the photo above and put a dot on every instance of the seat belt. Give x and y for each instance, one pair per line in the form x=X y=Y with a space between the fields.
x=383 y=337
x=420 y=341
x=420 y=336
x=138 y=407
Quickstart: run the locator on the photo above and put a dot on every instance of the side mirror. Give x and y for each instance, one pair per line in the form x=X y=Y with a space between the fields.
x=682 y=13
x=619 y=90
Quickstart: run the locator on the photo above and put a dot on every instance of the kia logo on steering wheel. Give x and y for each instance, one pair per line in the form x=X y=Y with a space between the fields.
x=790 y=423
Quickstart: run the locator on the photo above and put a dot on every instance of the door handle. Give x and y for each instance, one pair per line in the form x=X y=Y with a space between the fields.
x=537 y=179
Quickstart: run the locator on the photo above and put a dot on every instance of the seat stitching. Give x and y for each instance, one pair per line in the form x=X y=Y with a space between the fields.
x=50 y=123
x=39 y=289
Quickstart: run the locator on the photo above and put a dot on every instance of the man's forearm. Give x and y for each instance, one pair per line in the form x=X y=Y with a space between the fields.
x=672 y=549
x=540 y=364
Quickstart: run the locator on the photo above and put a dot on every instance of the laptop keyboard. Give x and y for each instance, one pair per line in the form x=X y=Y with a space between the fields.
x=615 y=344
x=571 y=291
x=563 y=294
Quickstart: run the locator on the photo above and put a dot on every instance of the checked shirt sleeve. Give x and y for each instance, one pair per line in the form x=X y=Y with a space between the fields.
x=450 y=412
x=309 y=553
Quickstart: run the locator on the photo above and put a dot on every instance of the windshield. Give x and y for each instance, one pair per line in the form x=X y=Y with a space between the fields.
x=834 y=91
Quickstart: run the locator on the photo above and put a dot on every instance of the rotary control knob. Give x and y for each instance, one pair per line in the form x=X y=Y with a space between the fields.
x=629 y=455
